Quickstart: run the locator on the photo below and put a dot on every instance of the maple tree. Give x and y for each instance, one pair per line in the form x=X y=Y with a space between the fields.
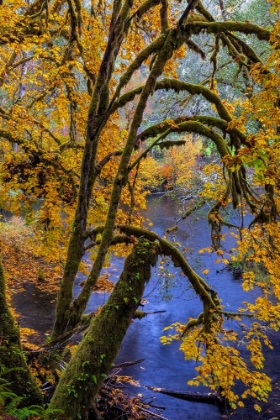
x=174 y=168
x=180 y=163
x=66 y=80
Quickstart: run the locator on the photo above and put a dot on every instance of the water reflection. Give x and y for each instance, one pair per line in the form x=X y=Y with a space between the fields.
x=164 y=366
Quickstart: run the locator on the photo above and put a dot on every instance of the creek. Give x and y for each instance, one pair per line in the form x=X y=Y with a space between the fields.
x=164 y=366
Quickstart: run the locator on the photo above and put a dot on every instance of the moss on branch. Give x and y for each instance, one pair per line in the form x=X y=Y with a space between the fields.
x=174 y=126
x=96 y=353
x=238 y=43
x=228 y=26
x=166 y=248
x=193 y=89
x=179 y=86
x=198 y=128
x=141 y=57
x=144 y=8
x=171 y=143
x=194 y=322
x=201 y=9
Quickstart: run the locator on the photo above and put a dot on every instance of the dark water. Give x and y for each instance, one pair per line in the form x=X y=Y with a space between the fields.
x=164 y=366
x=168 y=290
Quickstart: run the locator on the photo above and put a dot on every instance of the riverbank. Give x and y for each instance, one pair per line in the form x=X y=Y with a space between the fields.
x=168 y=290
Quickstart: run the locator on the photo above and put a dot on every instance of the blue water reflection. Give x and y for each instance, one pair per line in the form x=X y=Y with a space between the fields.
x=164 y=366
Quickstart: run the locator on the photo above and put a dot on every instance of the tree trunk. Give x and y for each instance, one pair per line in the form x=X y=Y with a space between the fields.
x=16 y=371
x=87 y=369
x=68 y=316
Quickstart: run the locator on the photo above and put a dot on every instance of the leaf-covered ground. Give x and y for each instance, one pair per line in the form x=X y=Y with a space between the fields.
x=24 y=267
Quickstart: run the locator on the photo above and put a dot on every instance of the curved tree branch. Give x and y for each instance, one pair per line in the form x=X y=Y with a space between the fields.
x=228 y=26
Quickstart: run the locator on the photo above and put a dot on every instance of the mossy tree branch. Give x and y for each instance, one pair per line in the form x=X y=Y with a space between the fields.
x=70 y=315
x=180 y=86
x=166 y=248
x=100 y=110
x=230 y=38
x=212 y=310
x=97 y=118
x=96 y=353
x=98 y=115
x=228 y=26
x=209 y=121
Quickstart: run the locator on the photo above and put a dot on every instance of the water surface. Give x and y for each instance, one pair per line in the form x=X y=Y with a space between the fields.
x=169 y=291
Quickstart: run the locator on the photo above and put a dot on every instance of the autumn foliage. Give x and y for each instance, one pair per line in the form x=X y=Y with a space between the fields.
x=96 y=109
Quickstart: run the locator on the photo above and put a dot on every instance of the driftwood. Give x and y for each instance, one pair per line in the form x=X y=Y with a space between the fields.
x=144 y=410
x=141 y=314
x=117 y=404
x=125 y=364
x=210 y=398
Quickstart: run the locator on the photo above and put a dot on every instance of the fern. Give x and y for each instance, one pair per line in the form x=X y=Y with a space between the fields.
x=24 y=412
x=33 y=410
x=9 y=402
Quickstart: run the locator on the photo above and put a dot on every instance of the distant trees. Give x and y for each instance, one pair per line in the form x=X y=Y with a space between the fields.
x=174 y=168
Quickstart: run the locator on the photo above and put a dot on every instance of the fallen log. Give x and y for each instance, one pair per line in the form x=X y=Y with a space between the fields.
x=125 y=364
x=210 y=398
x=141 y=314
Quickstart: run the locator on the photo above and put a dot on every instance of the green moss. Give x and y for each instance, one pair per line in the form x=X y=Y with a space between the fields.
x=222 y=27
x=82 y=380
x=11 y=356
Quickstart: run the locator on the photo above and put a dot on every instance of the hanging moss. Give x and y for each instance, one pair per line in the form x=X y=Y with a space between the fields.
x=167 y=144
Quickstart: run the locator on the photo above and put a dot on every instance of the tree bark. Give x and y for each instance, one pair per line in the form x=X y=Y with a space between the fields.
x=16 y=371
x=87 y=369
x=98 y=115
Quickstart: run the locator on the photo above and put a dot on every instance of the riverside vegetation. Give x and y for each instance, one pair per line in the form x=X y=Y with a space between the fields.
x=91 y=92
